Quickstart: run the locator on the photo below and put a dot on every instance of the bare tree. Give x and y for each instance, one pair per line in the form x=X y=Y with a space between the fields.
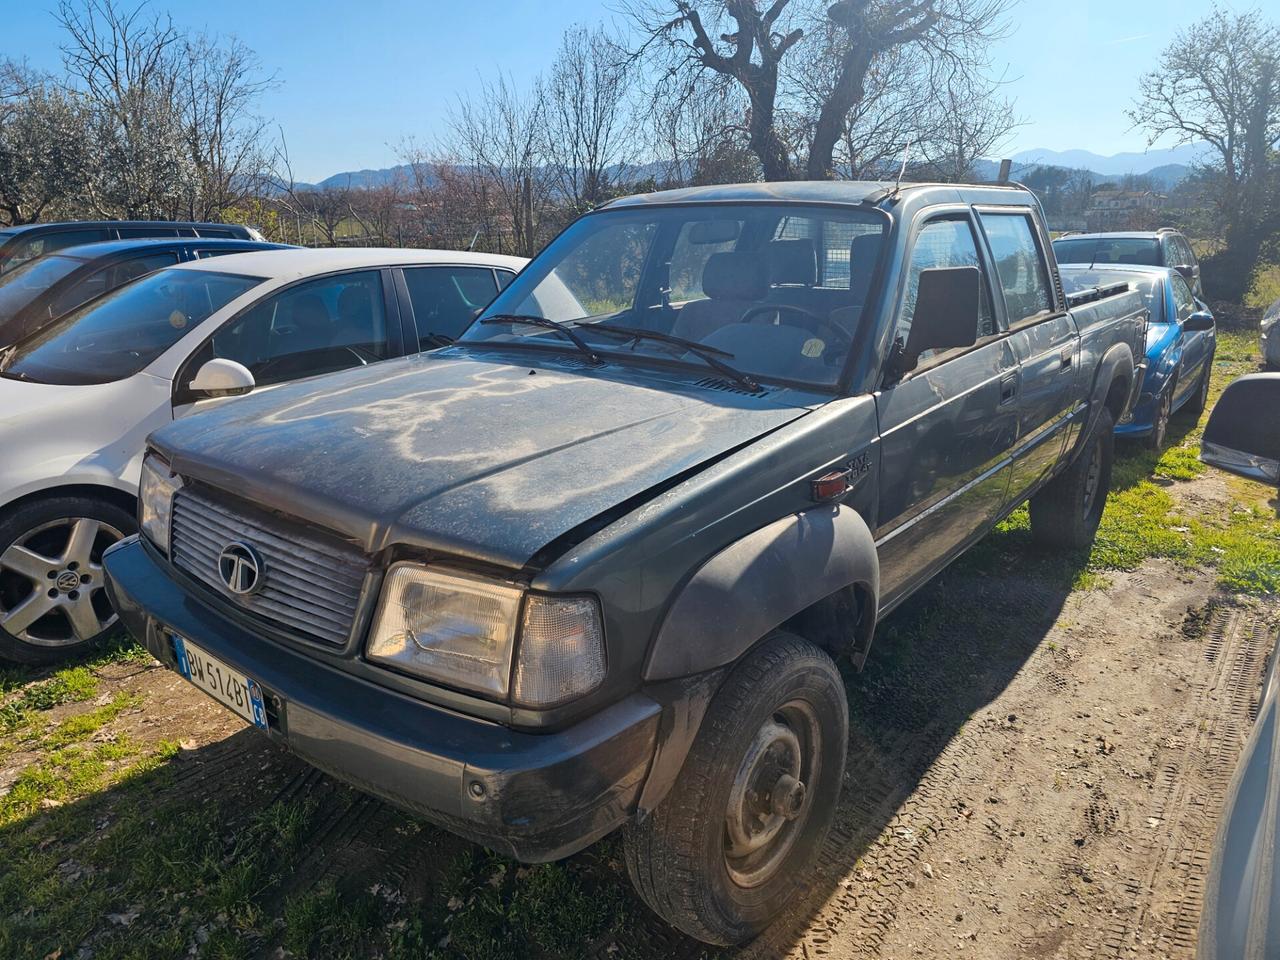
x=1219 y=84
x=966 y=122
x=219 y=85
x=751 y=43
x=500 y=136
x=587 y=117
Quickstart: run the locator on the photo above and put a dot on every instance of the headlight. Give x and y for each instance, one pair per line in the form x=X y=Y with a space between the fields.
x=446 y=626
x=155 y=500
x=461 y=630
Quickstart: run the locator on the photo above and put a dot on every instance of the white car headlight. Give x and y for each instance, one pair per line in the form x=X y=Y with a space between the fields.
x=461 y=630
x=155 y=500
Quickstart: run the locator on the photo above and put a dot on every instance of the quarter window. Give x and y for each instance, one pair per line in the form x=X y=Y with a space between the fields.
x=446 y=299
x=1019 y=265
x=317 y=327
x=943 y=243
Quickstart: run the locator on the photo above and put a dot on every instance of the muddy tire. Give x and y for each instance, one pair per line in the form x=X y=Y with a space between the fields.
x=738 y=834
x=1196 y=403
x=1065 y=514
x=53 y=601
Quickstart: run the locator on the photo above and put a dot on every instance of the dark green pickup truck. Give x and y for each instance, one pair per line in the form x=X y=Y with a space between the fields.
x=592 y=566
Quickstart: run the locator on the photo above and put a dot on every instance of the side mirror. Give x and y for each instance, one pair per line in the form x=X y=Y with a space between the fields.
x=946 y=314
x=1243 y=432
x=1188 y=272
x=1200 y=320
x=221 y=378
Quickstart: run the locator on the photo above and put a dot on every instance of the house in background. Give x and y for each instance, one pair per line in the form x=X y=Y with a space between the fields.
x=1124 y=210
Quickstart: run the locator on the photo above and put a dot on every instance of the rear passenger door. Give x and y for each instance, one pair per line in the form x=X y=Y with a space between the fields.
x=947 y=428
x=443 y=300
x=1043 y=337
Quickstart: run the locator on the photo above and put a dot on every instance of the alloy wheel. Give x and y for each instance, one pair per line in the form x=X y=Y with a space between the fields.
x=52 y=591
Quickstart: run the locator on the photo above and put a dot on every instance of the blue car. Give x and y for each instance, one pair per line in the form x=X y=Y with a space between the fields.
x=1181 y=340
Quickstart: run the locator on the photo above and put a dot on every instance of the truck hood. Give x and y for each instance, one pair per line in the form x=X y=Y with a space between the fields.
x=467 y=454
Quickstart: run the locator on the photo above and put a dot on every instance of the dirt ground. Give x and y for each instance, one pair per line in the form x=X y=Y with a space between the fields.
x=1034 y=772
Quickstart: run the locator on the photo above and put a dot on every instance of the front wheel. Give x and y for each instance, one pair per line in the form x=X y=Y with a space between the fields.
x=737 y=835
x=1067 y=511
x=53 y=599
x=1160 y=422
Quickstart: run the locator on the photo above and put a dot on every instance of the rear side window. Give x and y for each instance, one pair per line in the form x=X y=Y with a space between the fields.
x=49 y=242
x=127 y=233
x=1019 y=265
x=218 y=232
x=943 y=243
x=446 y=299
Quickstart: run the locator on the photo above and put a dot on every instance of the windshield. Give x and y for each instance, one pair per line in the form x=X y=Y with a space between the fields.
x=1104 y=250
x=776 y=291
x=19 y=287
x=118 y=334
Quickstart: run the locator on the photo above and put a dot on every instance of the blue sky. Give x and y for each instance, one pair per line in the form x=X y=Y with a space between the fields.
x=358 y=76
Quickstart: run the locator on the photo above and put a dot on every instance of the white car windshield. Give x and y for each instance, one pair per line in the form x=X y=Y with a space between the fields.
x=773 y=290
x=118 y=334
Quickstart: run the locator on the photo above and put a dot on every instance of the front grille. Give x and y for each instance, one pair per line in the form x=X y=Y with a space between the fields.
x=310 y=584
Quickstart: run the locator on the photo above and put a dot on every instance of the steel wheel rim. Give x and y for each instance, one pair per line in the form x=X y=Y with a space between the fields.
x=64 y=601
x=772 y=794
x=1092 y=474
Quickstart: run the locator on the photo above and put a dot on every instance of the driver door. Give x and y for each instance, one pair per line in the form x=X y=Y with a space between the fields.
x=308 y=329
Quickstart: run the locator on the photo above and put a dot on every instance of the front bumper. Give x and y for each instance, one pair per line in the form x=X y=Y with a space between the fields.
x=535 y=797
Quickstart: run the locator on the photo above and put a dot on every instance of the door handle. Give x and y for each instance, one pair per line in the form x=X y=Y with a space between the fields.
x=1067 y=356
x=1008 y=389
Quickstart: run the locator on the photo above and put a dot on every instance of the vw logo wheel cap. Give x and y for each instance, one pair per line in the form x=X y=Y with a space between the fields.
x=241 y=569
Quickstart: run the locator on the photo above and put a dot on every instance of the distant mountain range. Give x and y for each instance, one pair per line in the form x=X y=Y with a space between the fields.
x=1166 y=167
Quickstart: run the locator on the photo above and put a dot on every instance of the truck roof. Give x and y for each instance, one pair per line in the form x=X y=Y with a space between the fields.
x=835 y=191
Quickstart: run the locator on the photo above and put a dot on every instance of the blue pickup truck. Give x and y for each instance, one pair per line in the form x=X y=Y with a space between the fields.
x=591 y=567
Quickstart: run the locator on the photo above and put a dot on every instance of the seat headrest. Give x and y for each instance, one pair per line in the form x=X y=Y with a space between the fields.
x=864 y=250
x=793 y=262
x=354 y=307
x=734 y=275
x=309 y=312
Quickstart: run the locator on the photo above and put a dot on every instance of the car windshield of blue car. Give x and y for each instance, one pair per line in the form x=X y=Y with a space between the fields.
x=1104 y=250
x=19 y=287
x=776 y=291
x=118 y=334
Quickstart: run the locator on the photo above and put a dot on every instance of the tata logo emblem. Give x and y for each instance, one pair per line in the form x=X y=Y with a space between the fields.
x=241 y=569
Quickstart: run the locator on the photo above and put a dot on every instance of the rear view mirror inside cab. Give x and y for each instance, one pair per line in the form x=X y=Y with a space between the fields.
x=714 y=231
x=945 y=316
x=1243 y=432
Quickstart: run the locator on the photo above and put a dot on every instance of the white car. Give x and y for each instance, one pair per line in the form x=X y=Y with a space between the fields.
x=78 y=398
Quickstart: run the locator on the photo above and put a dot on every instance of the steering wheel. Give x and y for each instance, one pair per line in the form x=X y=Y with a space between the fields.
x=828 y=329
x=291 y=362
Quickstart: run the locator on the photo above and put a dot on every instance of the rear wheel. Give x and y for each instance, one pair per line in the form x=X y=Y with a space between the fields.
x=53 y=598
x=737 y=835
x=1067 y=511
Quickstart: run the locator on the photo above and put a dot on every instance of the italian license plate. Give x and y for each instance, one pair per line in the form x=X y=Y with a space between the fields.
x=231 y=688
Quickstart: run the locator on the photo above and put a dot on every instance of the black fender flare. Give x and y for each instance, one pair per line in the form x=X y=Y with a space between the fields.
x=733 y=601
x=1116 y=363
x=758 y=583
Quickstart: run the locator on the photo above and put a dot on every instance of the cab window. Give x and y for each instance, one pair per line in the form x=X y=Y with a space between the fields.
x=1019 y=265
x=943 y=243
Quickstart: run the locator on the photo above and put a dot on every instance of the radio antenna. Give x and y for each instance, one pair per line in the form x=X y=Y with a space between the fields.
x=906 y=155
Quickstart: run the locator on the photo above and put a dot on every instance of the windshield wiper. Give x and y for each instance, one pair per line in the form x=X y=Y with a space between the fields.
x=709 y=355
x=556 y=325
x=437 y=339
